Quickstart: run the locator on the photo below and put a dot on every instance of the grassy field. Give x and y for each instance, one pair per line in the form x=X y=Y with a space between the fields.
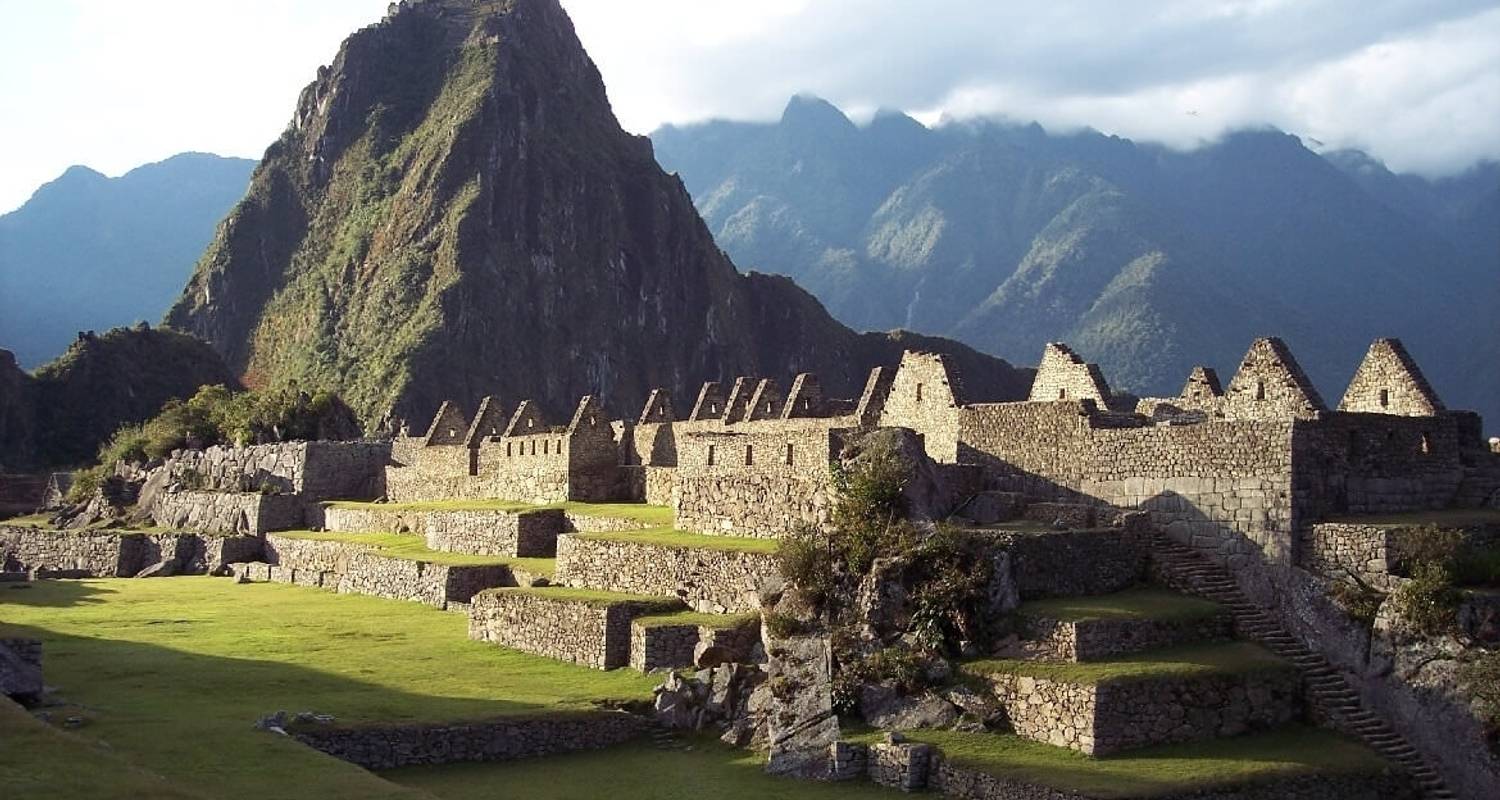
x=1185 y=661
x=709 y=770
x=173 y=672
x=1157 y=771
x=683 y=540
x=414 y=548
x=640 y=512
x=1141 y=604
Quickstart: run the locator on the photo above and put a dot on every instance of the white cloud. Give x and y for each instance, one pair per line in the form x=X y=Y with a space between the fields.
x=1417 y=82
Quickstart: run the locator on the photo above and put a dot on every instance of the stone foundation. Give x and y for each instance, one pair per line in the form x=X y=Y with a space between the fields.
x=671 y=646
x=227 y=512
x=373 y=520
x=378 y=747
x=966 y=783
x=588 y=633
x=1122 y=715
x=119 y=554
x=501 y=533
x=1102 y=639
x=715 y=581
x=350 y=568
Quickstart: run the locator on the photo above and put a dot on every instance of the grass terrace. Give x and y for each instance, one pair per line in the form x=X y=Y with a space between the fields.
x=1156 y=771
x=170 y=674
x=592 y=597
x=640 y=512
x=697 y=618
x=684 y=540
x=1131 y=604
x=414 y=548
x=1225 y=658
x=44 y=521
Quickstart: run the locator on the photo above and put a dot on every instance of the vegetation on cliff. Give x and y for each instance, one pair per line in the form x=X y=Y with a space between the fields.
x=454 y=211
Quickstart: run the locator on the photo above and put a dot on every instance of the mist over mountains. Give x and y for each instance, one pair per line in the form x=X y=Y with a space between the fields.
x=1146 y=259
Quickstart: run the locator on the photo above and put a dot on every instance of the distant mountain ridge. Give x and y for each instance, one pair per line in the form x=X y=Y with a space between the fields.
x=454 y=211
x=88 y=252
x=1147 y=260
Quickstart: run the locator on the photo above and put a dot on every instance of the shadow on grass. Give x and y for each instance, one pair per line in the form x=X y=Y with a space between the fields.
x=59 y=594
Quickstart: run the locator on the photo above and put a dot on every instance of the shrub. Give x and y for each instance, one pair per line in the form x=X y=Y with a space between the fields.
x=1480 y=679
x=1428 y=602
x=1361 y=602
x=782 y=626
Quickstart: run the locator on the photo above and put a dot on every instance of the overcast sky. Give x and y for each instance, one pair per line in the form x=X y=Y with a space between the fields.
x=114 y=84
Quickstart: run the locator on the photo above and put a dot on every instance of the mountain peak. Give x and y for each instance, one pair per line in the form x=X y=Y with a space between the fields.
x=812 y=114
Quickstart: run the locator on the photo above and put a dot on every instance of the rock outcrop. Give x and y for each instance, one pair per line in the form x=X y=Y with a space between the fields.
x=454 y=211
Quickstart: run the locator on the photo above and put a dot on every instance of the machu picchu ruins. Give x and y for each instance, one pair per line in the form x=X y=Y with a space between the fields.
x=1153 y=575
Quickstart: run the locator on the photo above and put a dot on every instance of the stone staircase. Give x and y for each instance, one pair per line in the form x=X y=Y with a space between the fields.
x=1331 y=696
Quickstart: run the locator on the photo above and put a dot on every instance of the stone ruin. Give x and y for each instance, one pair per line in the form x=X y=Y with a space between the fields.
x=1224 y=492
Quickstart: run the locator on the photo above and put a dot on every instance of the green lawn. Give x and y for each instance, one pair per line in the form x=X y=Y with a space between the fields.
x=640 y=512
x=593 y=597
x=1156 y=771
x=175 y=670
x=1225 y=658
x=1444 y=518
x=708 y=771
x=414 y=548
x=38 y=760
x=1141 y=604
x=700 y=619
x=683 y=540
x=44 y=521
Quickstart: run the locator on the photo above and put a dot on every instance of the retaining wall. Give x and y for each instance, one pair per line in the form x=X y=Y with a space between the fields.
x=716 y=581
x=1071 y=563
x=967 y=783
x=227 y=512
x=504 y=533
x=116 y=554
x=350 y=568
x=378 y=747
x=593 y=635
x=1102 y=639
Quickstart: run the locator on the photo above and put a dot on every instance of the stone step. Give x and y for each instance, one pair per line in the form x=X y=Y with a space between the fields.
x=1178 y=694
x=581 y=626
x=691 y=639
x=713 y=574
x=1101 y=627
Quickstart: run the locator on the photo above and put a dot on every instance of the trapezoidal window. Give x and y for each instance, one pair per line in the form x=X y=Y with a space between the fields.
x=919 y=393
x=749 y=455
x=544 y=447
x=1426 y=443
x=710 y=455
x=1385 y=398
x=1260 y=390
x=789 y=456
x=507 y=450
x=768 y=406
x=1062 y=394
x=713 y=408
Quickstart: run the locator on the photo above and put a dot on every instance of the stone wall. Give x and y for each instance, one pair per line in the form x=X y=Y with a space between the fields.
x=1388 y=381
x=651 y=485
x=1071 y=563
x=117 y=554
x=1375 y=555
x=439 y=472
x=502 y=533
x=715 y=581
x=668 y=646
x=379 y=747
x=758 y=479
x=900 y=765
x=925 y=397
x=1121 y=715
x=968 y=783
x=1062 y=375
x=315 y=470
x=21 y=494
x=349 y=568
x=591 y=634
x=378 y=519
x=1103 y=639
x=227 y=512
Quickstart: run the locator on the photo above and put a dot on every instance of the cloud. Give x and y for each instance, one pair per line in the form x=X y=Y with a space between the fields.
x=114 y=85
x=1415 y=82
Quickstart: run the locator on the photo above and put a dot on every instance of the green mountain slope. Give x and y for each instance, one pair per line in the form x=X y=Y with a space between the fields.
x=1148 y=260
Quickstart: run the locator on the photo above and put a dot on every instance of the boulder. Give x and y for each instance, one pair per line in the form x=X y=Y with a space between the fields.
x=165 y=568
x=885 y=707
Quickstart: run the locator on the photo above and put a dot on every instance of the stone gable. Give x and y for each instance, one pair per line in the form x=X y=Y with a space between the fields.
x=1390 y=382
